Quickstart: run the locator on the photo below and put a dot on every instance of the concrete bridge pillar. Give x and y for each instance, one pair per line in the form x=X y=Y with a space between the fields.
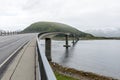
x=77 y=39
x=73 y=40
x=48 y=48
x=66 y=42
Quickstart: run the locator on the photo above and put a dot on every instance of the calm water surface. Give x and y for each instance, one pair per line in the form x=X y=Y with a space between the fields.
x=97 y=56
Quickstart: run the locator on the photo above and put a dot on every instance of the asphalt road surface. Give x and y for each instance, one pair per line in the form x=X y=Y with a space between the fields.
x=8 y=44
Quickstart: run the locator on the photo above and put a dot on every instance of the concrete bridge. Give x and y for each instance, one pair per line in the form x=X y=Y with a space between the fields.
x=21 y=57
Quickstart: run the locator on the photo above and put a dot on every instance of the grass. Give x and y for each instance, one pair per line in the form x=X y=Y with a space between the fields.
x=63 y=77
x=64 y=73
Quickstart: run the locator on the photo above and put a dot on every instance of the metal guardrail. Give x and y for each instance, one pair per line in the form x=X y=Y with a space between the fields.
x=46 y=72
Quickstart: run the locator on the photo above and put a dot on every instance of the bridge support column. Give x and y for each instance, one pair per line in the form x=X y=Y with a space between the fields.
x=77 y=39
x=48 y=48
x=66 y=42
x=73 y=40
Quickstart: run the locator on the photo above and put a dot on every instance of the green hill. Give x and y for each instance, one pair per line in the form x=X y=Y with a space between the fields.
x=53 y=27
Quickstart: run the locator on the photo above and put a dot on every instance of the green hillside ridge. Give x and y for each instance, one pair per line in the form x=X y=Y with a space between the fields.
x=54 y=27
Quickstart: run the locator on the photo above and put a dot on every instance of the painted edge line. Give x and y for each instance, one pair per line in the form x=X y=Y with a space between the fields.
x=18 y=49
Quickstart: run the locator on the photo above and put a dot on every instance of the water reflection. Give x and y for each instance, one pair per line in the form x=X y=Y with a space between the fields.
x=98 y=56
x=68 y=54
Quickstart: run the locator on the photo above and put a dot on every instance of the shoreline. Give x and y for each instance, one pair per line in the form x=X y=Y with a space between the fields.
x=80 y=75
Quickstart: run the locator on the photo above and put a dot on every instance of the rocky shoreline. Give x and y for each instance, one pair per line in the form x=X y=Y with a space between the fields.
x=80 y=75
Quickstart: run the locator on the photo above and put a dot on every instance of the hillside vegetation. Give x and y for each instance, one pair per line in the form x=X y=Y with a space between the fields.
x=53 y=27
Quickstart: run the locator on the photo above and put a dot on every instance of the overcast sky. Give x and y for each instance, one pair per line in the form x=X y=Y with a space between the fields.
x=82 y=14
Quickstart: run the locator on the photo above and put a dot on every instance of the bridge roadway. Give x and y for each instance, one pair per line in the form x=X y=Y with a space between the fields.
x=23 y=66
x=8 y=44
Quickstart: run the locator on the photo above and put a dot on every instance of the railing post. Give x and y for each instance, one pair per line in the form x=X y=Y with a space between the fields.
x=48 y=48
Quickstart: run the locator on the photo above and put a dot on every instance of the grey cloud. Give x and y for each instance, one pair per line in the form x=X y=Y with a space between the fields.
x=30 y=4
x=82 y=14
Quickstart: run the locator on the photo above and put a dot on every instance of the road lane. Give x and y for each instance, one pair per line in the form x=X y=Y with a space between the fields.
x=8 y=44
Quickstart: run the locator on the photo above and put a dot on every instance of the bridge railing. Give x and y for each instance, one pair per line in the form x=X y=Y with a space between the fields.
x=45 y=69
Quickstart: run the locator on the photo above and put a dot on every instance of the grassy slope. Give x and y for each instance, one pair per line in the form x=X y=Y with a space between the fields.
x=53 y=26
x=63 y=77
x=73 y=73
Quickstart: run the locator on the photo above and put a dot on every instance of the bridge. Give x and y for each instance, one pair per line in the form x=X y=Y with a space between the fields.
x=21 y=56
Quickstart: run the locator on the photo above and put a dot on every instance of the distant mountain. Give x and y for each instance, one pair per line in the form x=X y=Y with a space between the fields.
x=54 y=27
x=1 y=30
x=115 y=32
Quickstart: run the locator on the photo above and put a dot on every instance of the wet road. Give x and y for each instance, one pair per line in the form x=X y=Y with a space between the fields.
x=8 y=44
